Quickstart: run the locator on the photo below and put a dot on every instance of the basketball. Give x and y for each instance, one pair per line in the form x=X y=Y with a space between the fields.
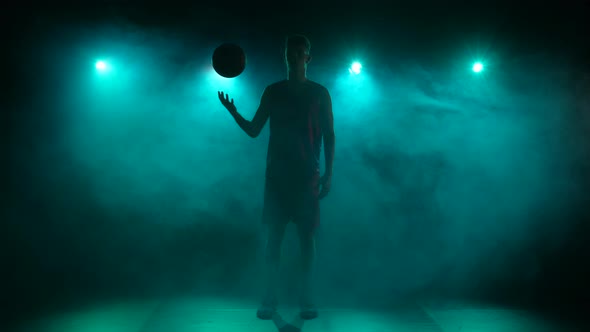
x=229 y=60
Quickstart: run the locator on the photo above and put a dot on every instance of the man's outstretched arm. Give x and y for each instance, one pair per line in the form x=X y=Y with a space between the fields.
x=254 y=127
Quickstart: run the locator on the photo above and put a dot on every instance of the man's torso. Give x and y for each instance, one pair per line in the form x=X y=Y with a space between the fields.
x=295 y=132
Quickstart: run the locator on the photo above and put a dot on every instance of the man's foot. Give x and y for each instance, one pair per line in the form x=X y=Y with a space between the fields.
x=308 y=309
x=308 y=312
x=268 y=308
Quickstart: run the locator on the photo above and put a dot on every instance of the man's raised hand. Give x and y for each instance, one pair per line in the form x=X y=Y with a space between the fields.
x=225 y=101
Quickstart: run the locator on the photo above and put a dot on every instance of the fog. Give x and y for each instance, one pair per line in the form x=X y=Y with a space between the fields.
x=138 y=180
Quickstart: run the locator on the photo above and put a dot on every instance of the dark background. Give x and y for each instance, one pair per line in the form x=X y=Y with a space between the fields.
x=66 y=242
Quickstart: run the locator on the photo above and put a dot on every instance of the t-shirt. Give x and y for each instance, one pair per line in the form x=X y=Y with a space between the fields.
x=295 y=133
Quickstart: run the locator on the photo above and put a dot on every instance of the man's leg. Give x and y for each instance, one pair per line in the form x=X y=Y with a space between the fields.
x=308 y=254
x=307 y=220
x=276 y=232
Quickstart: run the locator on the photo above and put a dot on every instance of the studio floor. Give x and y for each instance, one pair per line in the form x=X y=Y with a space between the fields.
x=221 y=314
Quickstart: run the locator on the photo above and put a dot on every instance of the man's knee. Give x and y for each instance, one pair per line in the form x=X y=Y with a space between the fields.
x=273 y=251
x=272 y=255
x=307 y=240
x=306 y=231
x=273 y=245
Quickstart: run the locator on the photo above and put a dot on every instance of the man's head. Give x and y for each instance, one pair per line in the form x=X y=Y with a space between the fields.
x=297 y=52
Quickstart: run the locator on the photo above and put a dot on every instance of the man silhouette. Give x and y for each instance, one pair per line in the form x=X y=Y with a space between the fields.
x=300 y=113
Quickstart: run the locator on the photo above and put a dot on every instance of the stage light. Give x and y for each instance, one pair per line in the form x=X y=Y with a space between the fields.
x=355 y=68
x=477 y=67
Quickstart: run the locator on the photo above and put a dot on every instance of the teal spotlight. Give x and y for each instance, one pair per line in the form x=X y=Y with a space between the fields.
x=101 y=66
x=355 y=68
x=477 y=67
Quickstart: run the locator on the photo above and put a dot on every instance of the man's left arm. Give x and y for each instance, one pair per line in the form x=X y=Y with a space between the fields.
x=327 y=125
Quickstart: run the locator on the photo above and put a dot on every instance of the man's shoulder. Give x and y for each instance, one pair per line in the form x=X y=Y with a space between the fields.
x=281 y=86
x=317 y=86
x=283 y=83
x=276 y=85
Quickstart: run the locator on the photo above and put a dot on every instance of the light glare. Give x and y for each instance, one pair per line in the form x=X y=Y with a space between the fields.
x=477 y=67
x=101 y=65
x=355 y=68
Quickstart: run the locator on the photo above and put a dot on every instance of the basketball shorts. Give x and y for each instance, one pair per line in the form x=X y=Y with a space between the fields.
x=294 y=200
